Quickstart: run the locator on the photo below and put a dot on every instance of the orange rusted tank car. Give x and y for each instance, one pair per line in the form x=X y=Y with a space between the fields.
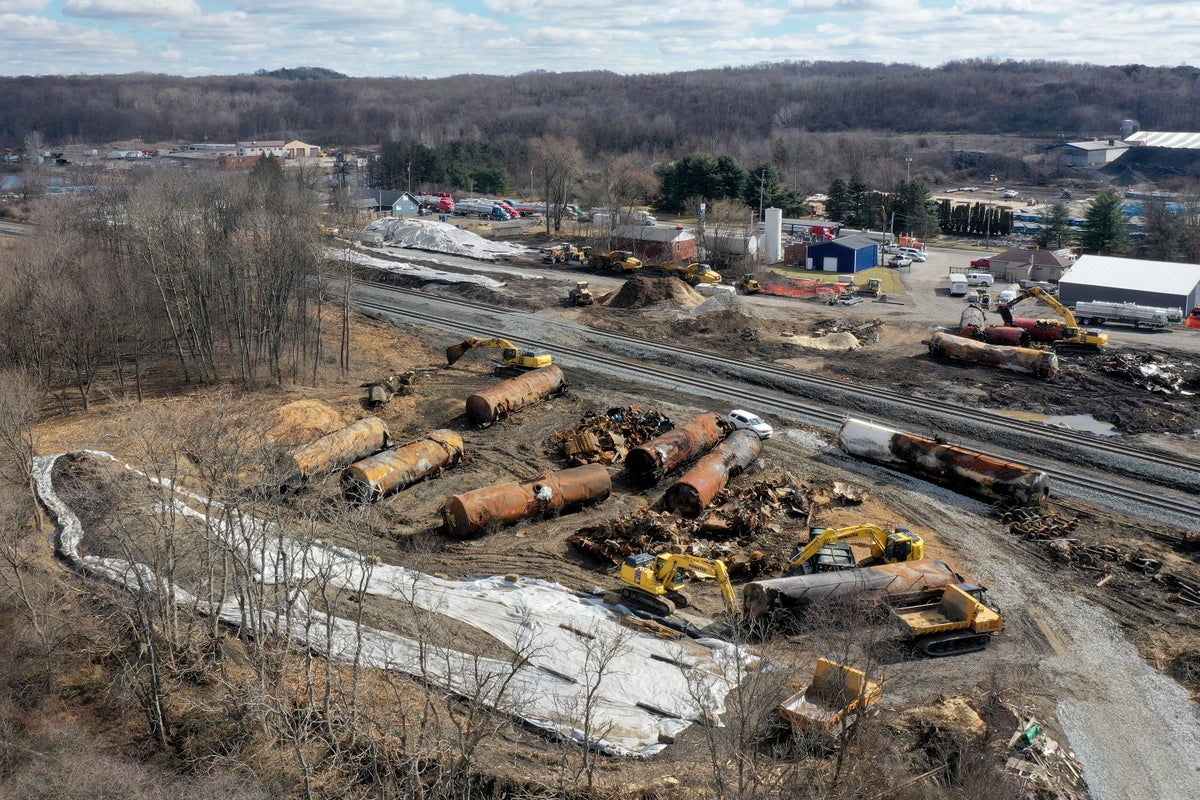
x=392 y=470
x=650 y=461
x=692 y=493
x=1039 y=363
x=491 y=404
x=345 y=446
x=553 y=493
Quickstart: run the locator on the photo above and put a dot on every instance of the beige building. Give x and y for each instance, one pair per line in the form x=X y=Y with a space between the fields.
x=298 y=149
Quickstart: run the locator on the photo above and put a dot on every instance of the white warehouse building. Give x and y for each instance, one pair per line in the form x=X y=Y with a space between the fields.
x=1129 y=280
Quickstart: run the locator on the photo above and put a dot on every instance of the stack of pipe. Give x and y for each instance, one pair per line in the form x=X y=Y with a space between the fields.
x=552 y=493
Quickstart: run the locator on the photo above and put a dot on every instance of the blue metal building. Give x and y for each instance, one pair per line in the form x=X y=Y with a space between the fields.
x=848 y=254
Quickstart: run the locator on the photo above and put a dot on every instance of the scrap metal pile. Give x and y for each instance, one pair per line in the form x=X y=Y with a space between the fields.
x=1149 y=372
x=728 y=530
x=866 y=332
x=605 y=438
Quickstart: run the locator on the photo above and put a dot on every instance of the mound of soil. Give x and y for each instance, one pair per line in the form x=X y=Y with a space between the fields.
x=1153 y=164
x=641 y=292
x=303 y=421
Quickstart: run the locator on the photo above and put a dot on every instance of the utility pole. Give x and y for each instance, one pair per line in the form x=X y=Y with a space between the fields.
x=409 y=189
x=908 y=169
x=762 y=182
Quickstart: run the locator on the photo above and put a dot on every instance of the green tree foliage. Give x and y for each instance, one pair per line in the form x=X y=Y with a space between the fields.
x=838 y=203
x=471 y=165
x=914 y=210
x=1166 y=233
x=763 y=185
x=1104 y=231
x=701 y=175
x=974 y=219
x=1056 y=227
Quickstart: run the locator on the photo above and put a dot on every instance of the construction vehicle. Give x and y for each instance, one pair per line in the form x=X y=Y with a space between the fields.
x=957 y=622
x=581 y=295
x=873 y=287
x=511 y=356
x=827 y=549
x=693 y=274
x=748 y=284
x=1071 y=335
x=837 y=690
x=561 y=253
x=653 y=581
x=622 y=260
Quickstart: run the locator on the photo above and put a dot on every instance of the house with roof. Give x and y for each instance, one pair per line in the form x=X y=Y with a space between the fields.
x=848 y=254
x=389 y=201
x=1162 y=284
x=656 y=243
x=1022 y=264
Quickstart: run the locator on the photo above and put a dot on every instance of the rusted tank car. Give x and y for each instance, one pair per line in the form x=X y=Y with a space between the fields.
x=692 y=493
x=1039 y=363
x=395 y=469
x=1044 y=331
x=553 y=493
x=968 y=471
x=345 y=446
x=781 y=601
x=493 y=403
x=997 y=334
x=650 y=461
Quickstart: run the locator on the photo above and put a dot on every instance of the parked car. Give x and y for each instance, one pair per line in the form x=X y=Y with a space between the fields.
x=982 y=263
x=1011 y=193
x=899 y=261
x=911 y=252
x=747 y=421
x=980 y=279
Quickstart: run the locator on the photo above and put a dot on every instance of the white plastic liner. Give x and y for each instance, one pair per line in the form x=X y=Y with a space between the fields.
x=440 y=237
x=649 y=690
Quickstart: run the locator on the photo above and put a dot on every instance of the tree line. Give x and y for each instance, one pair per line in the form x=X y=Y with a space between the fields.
x=653 y=115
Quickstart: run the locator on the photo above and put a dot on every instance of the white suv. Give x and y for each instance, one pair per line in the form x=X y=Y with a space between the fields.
x=744 y=420
x=911 y=252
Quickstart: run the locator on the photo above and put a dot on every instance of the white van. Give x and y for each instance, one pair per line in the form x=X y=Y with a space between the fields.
x=958 y=285
x=980 y=278
x=911 y=252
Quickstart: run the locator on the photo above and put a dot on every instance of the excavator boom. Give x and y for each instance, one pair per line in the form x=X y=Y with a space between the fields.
x=512 y=355
x=888 y=546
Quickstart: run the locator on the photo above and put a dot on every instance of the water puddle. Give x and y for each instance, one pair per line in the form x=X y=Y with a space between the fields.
x=1076 y=422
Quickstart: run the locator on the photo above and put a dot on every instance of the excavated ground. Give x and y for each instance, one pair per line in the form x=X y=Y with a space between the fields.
x=1051 y=636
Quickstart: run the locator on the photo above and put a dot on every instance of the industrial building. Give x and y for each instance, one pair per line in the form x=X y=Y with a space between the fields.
x=1021 y=264
x=655 y=242
x=847 y=254
x=1130 y=280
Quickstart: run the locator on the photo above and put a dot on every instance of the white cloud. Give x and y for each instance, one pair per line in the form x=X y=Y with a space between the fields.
x=139 y=9
x=22 y=6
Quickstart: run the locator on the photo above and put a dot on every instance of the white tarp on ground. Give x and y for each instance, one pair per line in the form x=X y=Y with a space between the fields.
x=415 y=270
x=649 y=690
x=440 y=237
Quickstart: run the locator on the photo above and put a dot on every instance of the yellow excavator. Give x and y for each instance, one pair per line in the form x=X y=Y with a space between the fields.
x=653 y=581
x=1072 y=333
x=827 y=550
x=511 y=356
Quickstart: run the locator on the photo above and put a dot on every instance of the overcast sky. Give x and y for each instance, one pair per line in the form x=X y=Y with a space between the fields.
x=433 y=38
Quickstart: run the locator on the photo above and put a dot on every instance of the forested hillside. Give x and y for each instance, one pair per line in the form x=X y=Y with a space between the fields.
x=607 y=113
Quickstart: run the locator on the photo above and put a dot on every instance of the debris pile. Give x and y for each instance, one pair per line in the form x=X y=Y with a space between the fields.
x=380 y=393
x=1148 y=371
x=605 y=438
x=728 y=530
x=865 y=332
x=1035 y=524
x=1044 y=767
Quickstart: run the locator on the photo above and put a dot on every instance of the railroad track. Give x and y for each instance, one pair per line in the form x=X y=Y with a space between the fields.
x=649 y=366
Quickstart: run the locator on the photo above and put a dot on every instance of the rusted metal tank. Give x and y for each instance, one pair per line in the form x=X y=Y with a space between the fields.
x=780 y=601
x=335 y=450
x=997 y=334
x=491 y=404
x=1039 y=363
x=692 y=493
x=552 y=493
x=967 y=471
x=650 y=461
x=1045 y=331
x=398 y=468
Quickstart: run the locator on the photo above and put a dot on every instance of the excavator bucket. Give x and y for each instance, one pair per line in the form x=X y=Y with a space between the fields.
x=456 y=351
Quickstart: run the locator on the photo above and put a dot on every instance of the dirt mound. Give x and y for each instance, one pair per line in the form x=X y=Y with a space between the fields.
x=303 y=421
x=641 y=292
x=1153 y=164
